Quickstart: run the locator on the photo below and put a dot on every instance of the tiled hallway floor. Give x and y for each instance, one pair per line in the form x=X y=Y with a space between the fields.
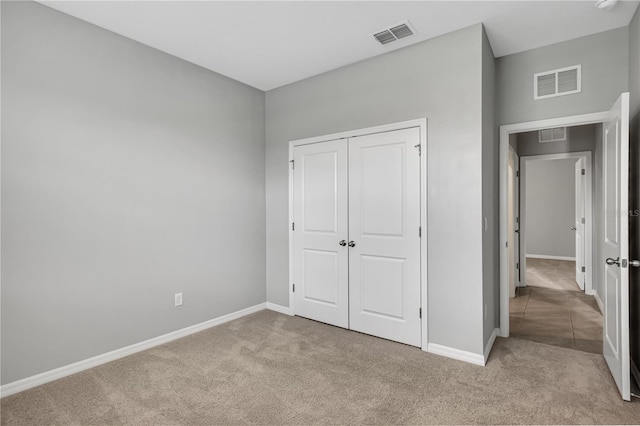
x=565 y=318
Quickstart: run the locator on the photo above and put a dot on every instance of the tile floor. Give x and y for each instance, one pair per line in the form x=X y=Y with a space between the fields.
x=566 y=318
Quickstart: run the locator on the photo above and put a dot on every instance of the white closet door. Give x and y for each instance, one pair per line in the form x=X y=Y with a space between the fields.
x=320 y=215
x=384 y=253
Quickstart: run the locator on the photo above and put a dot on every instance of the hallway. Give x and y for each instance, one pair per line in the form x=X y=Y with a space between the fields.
x=555 y=311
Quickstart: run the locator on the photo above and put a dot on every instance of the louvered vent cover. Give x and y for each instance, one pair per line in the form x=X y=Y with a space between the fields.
x=553 y=135
x=564 y=81
x=395 y=32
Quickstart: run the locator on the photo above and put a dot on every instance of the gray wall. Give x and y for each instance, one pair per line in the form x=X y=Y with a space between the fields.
x=550 y=207
x=634 y=199
x=490 y=196
x=579 y=138
x=127 y=175
x=604 y=63
x=440 y=79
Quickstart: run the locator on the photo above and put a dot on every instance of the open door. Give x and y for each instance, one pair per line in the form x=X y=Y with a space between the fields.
x=616 y=244
x=579 y=225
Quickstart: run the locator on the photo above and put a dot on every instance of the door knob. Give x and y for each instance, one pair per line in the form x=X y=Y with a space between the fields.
x=352 y=244
x=573 y=228
x=343 y=243
x=611 y=261
x=635 y=263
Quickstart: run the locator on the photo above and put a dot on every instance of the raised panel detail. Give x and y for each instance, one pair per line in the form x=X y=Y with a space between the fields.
x=320 y=276
x=320 y=192
x=382 y=286
x=612 y=285
x=612 y=190
x=383 y=182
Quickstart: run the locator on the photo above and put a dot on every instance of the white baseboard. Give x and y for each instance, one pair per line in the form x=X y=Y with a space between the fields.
x=599 y=302
x=492 y=340
x=76 y=367
x=470 y=357
x=279 y=308
x=545 y=256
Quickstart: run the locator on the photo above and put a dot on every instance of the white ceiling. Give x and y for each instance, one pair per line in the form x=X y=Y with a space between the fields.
x=268 y=44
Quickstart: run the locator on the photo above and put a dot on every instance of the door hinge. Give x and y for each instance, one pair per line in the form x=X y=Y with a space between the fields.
x=517 y=173
x=584 y=172
x=419 y=149
x=293 y=287
x=584 y=269
x=582 y=220
x=293 y=164
x=420 y=231
x=517 y=265
x=420 y=312
x=518 y=220
x=293 y=226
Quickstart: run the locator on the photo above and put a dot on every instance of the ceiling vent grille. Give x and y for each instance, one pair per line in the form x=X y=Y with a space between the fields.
x=556 y=134
x=394 y=33
x=563 y=81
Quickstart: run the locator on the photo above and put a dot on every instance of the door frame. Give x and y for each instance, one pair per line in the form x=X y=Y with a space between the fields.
x=505 y=131
x=420 y=123
x=586 y=156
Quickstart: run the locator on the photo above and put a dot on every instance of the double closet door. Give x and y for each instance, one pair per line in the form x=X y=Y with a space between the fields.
x=356 y=208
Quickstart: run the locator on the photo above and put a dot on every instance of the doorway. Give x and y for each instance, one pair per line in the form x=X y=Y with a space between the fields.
x=612 y=258
x=554 y=302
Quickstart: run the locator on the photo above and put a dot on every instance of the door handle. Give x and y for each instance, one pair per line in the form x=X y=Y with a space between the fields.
x=517 y=231
x=612 y=261
x=573 y=228
x=343 y=243
x=352 y=244
x=635 y=263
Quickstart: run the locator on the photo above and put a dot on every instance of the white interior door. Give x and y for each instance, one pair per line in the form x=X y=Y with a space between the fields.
x=579 y=225
x=384 y=220
x=616 y=244
x=321 y=271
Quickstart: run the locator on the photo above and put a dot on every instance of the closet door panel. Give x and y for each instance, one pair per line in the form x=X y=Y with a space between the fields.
x=320 y=217
x=384 y=220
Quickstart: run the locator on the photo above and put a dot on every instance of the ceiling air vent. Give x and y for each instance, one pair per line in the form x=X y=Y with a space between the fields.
x=563 y=81
x=394 y=32
x=556 y=134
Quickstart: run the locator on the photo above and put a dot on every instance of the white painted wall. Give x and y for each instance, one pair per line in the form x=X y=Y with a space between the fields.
x=550 y=208
x=127 y=175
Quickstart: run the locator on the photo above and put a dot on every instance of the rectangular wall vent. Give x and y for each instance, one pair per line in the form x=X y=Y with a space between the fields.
x=394 y=33
x=563 y=81
x=556 y=134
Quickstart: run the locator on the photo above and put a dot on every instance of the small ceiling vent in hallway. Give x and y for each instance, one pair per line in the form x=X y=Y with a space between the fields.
x=395 y=32
x=563 y=81
x=556 y=134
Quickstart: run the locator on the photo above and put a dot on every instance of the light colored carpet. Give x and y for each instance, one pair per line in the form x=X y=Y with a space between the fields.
x=553 y=274
x=269 y=368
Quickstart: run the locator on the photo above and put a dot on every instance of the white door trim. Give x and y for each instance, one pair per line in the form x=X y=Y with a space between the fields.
x=588 y=202
x=505 y=131
x=421 y=123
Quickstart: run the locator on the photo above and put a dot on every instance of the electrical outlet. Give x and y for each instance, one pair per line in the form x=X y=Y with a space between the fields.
x=178 y=299
x=485 y=312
